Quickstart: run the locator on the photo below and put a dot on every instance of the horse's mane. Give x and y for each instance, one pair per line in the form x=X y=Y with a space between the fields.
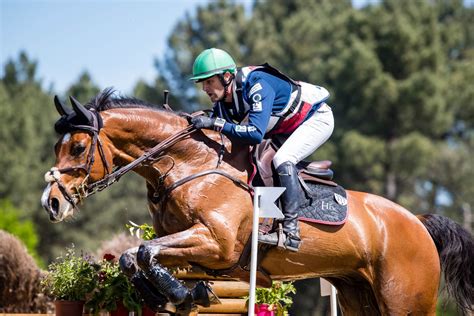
x=105 y=100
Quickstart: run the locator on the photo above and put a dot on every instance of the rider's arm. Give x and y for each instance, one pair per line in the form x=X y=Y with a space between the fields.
x=260 y=95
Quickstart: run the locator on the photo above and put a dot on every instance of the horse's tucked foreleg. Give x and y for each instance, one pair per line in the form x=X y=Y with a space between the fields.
x=150 y=295
x=196 y=245
x=193 y=245
x=176 y=292
x=166 y=283
x=154 y=300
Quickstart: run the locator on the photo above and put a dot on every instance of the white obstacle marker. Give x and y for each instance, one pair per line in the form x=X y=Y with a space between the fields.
x=327 y=289
x=263 y=206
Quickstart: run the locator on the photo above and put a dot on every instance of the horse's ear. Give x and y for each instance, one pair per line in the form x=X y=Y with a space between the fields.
x=81 y=110
x=60 y=107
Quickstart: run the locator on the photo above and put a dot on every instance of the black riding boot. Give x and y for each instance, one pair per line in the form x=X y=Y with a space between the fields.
x=291 y=200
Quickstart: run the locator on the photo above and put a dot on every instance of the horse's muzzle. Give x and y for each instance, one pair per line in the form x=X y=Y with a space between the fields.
x=52 y=204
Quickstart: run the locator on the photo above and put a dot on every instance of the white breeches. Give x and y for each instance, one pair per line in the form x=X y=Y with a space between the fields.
x=308 y=137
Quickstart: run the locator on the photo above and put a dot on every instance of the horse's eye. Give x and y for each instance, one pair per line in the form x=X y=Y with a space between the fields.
x=77 y=149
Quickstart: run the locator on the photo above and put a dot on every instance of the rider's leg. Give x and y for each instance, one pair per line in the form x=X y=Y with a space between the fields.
x=302 y=143
x=291 y=199
x=308 y=137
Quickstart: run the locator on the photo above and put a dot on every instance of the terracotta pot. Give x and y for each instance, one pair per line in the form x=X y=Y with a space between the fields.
x=146 y=311
x=69 y=308
x=120 y=311
x=263 y=310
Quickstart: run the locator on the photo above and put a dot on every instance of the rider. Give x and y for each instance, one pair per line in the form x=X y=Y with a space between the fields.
x=257 y=102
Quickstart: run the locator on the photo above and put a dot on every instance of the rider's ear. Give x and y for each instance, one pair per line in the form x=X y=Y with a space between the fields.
x=228 y=76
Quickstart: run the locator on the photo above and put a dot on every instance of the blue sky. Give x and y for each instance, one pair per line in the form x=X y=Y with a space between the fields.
x=115 y=40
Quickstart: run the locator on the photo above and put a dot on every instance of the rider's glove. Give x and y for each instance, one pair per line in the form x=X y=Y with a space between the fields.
x=202 y=121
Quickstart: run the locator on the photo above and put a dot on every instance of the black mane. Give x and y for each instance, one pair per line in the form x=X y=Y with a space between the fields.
x=106 y=101
x=101 y=102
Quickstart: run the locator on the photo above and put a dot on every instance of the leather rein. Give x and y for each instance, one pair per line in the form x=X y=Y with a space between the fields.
x=151 y=155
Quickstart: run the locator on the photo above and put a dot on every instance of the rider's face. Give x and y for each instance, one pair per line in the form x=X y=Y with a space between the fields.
x=213 y=88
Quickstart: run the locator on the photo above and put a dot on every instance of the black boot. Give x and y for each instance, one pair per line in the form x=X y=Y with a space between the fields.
x=291 y=200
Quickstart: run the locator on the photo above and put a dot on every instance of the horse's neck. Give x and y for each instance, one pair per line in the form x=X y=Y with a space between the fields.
x=133 y=131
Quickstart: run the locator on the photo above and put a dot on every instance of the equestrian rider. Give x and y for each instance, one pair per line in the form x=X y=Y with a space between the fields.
x=257 y=102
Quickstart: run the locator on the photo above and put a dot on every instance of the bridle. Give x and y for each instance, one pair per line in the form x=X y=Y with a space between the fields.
x=84 y=189
x=53 y=175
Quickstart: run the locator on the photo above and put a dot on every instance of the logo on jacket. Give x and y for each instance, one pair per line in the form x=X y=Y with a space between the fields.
x=255 y=88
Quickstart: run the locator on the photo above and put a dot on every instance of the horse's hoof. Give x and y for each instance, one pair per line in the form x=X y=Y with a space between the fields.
x=185 y=308
x=203 y=295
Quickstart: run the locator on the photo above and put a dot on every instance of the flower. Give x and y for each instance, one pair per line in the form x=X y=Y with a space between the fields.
x=109 y=257
x=278 y=296
x=113 y=286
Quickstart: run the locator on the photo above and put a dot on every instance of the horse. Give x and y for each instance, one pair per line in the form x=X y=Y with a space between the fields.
x=383 y=260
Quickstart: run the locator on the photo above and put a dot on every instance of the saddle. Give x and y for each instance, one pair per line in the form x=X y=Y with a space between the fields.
x=326 y=201
x=311 y=171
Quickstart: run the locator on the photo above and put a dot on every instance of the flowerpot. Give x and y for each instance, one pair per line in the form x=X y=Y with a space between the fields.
x=69 y=308
x=120 y=311
x=263 y=310
x=146 y=311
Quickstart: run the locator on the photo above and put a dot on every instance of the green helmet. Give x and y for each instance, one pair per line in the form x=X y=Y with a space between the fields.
x=211 y=62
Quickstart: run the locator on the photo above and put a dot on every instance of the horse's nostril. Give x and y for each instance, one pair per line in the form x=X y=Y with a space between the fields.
x=54 y=205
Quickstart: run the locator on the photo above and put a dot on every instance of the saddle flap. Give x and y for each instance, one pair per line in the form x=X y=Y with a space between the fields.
x=264 y=153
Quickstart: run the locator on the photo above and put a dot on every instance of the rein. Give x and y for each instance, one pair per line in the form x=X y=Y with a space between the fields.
x=148 y=155
x=84 y=190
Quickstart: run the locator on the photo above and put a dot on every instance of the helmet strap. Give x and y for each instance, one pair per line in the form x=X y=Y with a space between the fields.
x=225 y=84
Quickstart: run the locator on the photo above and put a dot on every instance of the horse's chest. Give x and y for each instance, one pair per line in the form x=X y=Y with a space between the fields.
x=170 y=220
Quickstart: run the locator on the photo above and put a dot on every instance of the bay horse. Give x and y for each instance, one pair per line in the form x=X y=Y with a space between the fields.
x=383 y=260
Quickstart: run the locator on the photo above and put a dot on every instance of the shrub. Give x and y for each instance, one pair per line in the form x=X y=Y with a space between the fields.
x=24 y=229
x=71 y=277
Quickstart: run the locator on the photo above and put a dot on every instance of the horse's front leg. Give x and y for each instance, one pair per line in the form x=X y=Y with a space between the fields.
x=193 y=245
x=128 y=264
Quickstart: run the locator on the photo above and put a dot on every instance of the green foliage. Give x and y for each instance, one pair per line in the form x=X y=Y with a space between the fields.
x=144 y=231
x=71 y=277
x=400 y=75
x=279 y=296
x=27 y=117
x=24 y=229
x=84 y=89
x=113 y=286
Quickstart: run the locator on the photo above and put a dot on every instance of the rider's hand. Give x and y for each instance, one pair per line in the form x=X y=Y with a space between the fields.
x=202 y=121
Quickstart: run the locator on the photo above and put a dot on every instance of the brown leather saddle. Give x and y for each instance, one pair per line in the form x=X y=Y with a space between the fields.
x=311 y=171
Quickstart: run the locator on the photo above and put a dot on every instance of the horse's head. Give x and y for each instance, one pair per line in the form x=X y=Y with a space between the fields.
x=80 y=159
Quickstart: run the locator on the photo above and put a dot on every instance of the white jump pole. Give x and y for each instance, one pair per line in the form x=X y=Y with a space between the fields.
x=254 y=252
x=327 y=289
x=263 y=206
x=333 y=301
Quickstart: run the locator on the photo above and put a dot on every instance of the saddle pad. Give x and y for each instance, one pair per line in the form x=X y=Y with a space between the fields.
x=328 y=205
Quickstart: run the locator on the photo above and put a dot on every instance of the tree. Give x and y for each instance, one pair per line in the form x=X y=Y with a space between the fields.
x=13 y=220
x=399 y=73
x=107 y=212
x=84 y=88
x=26 y=118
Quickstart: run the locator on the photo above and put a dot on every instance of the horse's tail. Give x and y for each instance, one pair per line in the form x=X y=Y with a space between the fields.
x=455 y=246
